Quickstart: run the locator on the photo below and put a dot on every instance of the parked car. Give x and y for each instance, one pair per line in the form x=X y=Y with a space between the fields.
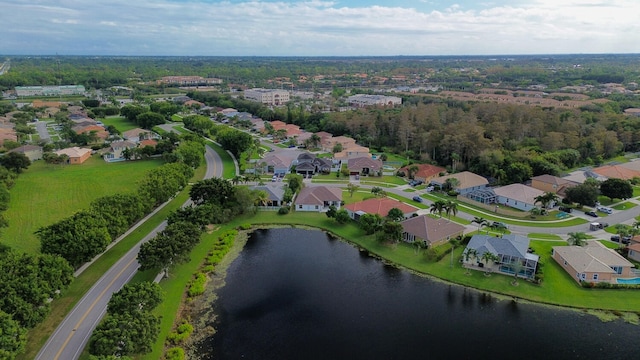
x=565 y=209
x=625 y=239
x=417 y=198
x=498 y=224
x=591 y=213
x=605 y=209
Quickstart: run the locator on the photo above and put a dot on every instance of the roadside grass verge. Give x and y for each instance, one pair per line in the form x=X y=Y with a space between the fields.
x=45 y=193
x=544 y=236
x=60 y=307
x=625 y=206
x=228 y=166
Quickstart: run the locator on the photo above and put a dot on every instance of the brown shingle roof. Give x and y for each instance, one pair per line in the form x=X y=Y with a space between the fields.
x=317 y=195
x=430 y=229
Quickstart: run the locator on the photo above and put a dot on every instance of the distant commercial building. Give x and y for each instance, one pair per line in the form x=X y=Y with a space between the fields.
x=267 y=96
x=190 y=80
x=61 y=90
x=363 y=100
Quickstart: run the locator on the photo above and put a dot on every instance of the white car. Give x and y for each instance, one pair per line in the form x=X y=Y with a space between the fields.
x=605 y=209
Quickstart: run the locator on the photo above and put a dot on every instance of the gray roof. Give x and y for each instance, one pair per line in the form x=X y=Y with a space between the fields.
x=512 y=245
x=275 y=192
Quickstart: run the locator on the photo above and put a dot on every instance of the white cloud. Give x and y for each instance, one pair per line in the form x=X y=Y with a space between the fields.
x=164 y=27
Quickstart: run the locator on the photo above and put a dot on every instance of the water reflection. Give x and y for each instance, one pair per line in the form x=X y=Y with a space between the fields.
x=294 y=294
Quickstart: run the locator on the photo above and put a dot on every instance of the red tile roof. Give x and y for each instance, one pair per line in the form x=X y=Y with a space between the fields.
x=380 y=206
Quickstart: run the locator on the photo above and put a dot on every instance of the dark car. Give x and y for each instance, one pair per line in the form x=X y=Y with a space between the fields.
x=417 y=198
x=591 y=213
x=565 y=209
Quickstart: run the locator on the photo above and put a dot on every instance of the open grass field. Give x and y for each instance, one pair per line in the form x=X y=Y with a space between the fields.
x=44 y=194
x=121 y=123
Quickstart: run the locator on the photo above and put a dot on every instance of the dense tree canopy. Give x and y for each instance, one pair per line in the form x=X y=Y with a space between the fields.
x=616 y=189
x=77 y=238
x=160 y=184
x=120 y=211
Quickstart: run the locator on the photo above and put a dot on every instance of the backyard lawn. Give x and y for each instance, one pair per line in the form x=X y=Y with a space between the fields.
x=63 y=190
x=121 y=123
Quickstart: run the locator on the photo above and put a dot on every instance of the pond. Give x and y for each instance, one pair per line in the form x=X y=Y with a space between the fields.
x=300 y=294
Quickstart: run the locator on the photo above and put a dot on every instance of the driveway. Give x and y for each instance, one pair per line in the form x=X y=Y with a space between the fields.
x=41 y=128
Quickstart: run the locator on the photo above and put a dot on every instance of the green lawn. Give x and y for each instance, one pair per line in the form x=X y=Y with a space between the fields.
x=120 y=122
x=625 y=206
x=44 y=194
x=544 y=236
x=176 y=117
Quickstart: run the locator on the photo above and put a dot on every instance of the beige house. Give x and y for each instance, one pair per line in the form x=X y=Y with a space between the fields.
x=76 y=155
x=552 y=184
x=430 y=231
x=518 y=196
x=318 y=198
x=467 y=181
x=634 y=251
x=593 y=262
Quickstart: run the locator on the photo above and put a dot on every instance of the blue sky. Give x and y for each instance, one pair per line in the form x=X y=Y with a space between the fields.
x=318 y=27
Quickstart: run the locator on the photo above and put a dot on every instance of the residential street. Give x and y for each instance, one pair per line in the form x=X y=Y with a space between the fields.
x=72 y=335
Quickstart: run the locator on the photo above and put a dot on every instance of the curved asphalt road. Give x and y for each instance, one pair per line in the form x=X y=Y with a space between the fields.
x=72 y=335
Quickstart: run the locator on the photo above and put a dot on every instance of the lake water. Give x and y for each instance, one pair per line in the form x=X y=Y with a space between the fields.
x=299 y=294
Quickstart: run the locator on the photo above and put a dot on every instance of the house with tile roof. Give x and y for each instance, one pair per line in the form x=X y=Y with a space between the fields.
x=430 y=231
x=593 y=262
x=616 y=172
x=380 y=206
x=518 y=196
x=32 y=152
x=552 y=184
x=117 y=150
x=467 y=182
x=318 y=198
x=138 y=134
x=634 y=251
x=425 y=172
x=278 y=162
x=364 y=166
x=509 y=251
x=76 y=154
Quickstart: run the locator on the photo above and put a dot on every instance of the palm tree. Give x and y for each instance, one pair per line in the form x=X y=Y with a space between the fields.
x=480 y=221
x=261 y=198
x=469 y=254
x=485 y=258
x=451 y=207
x=517 y=267
x=451 y=183
x=412 y=170
x=546 y=199
x=437 y=207
x=577 y=238
x=237 y=179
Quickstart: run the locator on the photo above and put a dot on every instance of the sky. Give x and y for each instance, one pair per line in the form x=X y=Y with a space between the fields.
x=318 y=27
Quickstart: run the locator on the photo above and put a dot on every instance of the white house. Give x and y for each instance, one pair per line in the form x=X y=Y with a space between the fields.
x=318 y=198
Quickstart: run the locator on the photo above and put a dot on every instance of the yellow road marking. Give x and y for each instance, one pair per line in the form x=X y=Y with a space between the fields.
x=66 y=342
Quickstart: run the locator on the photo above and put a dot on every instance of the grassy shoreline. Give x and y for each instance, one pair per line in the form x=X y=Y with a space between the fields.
x=558 y=289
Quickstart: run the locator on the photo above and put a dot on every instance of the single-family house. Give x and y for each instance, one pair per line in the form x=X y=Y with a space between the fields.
x=278 y=163
x=117 y=151
x=593 y=262
x=32 y=152
x=76 y=154
x=506 y=255
x=380 y=206
x=467 y=182
x=308 y=164
x=346 y=142
x=634 y=251
x=275 y=196
x=138 y=134
x=552 y=184
x=88 y=128
x=148 y=142
x=518 y=196
x=430 y=231
x=8 y=134
x=354 y=151
x=318 y=198
x=364 y=166
x=425 y=172
x=616 y=172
